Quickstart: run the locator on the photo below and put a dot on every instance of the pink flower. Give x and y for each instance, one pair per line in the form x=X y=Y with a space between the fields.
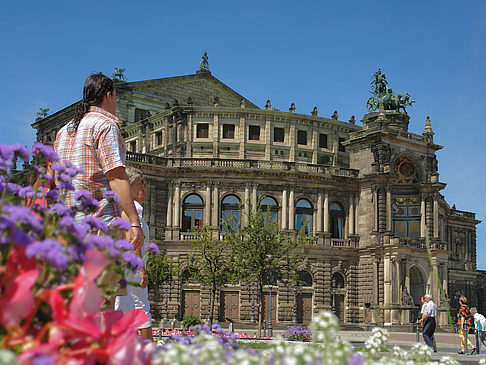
x=17 y=302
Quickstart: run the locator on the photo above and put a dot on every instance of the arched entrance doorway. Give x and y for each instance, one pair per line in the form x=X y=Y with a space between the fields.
x=338 y=291
x=417 y=284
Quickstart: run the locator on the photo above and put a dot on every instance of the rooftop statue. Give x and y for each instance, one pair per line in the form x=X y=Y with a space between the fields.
x=204 y=65
x=383 y=95
x=118 y=74
x=42 y=113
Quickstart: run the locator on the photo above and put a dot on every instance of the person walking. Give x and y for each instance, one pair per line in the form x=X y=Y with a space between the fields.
x=464 y=322
x=137 y=297
x=428 y=320
x=479 y=329
x=92 y=141
x=422 y=311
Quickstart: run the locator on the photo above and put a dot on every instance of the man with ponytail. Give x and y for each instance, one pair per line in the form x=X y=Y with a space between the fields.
x=92 y=141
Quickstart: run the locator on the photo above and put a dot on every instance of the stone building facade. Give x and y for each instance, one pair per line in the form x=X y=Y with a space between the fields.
x=370 y=195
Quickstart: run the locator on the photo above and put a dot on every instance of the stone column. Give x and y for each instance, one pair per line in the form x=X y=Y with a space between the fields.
x=215 y=219
x=356 y=215
x=215 y=135
x=315 y=145
x=177 y=205
x=397 y=277
x=242 y=137
x=153 y=192
x=292 y=142
x=375 y=315
x=407 y=277
x=436 y=216
x=422 y=217
x=247 y=204
x=166 y=137
x=284 y=209
x=268 y=141
x=169 y=206
x=254 y=199
x=189 y=136
x=434 y=282
x=387 y=288
x=351 y=214
x=388 y=209
x=319 y=212
x=291 y=210
x=207 y=207
x=326 y=212
x=375 y=208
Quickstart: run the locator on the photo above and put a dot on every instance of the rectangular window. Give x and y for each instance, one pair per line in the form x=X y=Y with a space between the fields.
x=133 y=146
x=254 y=133
x=278 y=134
x=228 y=131
x=158 y=137
x=141 y=114
x=322 y=140
x=341 y=147
x=202 y=130
x=302 y=137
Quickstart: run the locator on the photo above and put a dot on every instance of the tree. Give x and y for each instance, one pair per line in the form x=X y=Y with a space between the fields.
x=262 y=253
x=212 y=263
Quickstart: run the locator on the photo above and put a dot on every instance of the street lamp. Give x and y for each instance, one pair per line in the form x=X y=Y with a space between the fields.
x=333 y=293
x=297 y=291
x=270 y=327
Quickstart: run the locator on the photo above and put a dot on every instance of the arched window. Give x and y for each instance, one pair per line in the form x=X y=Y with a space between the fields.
x=270 y=205
x=192 y=215
x=337 y=281
x=337 y=220
x=303 y=215
x=230 y=211
x=304 y=278
x=417 y=284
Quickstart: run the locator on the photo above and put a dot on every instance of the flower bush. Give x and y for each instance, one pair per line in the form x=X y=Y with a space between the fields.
x=51 y=308
x=297 y=333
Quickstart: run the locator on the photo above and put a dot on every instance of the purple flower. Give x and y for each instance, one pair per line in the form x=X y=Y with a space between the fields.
x=9 y=233
x=134 y=262
x=58 y=167
x=66 y=222
x=23 y=216
x=357 y=360
x=60 y=210
x=65 y=185
x=83 y=194
x=154 y=248
x=49 y=250
x=43 y=360
x=110 y=196
x=53 y=194
x=39 y=149
x=114 y=252
x=120 y=223
x=124 y=244
x=26 y=192
x=89 y=205
x=97 y=223
x=100 y=241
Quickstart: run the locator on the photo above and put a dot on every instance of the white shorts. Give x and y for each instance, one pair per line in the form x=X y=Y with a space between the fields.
x=137 y=298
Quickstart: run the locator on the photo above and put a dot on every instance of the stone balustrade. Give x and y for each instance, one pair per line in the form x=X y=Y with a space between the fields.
x=241 y=164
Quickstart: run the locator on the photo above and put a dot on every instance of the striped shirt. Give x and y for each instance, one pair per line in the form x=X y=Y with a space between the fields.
x=96 y=146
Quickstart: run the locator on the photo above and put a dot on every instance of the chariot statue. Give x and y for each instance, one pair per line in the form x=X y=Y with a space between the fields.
x=383 y=95
x=42 y=113
x=118 y=74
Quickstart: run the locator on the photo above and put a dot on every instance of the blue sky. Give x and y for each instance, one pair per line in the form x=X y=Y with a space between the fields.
x=311 y=53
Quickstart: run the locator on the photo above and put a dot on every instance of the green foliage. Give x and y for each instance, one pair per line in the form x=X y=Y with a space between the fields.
x=212 y=266
x=261 y=253
x=160 y=270
x=190 y=320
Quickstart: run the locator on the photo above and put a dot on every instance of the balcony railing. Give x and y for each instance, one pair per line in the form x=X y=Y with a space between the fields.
x=241 y=164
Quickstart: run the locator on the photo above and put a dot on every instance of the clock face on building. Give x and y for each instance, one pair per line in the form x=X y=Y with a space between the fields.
x=406 y=169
